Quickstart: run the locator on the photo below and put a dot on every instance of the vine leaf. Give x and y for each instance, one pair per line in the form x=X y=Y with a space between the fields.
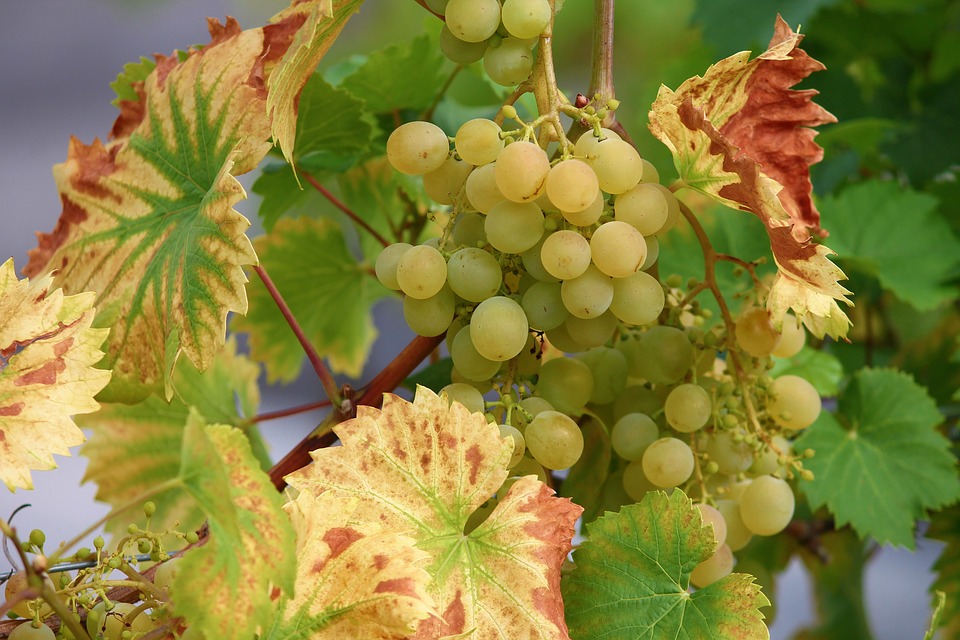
x=632 y=574
x=354 y=579
x=740 y=135
x=423 y=468
x=148 y=220
x=880 y=463
x=226 y=587
x=822 y=369
x=47 y=353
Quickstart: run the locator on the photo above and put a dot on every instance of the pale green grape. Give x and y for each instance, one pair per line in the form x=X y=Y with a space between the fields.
x=416 y=148
x=755 y=333
x=650 y=173
x=525 y=18
x=637 y=299
x=644 y=207
x=499 y=328
x=609 y=369
x=617 y=249
x=565 y=254
x=24 y=608
x=478 y=141
x=717 y=566
x=458 y=50
x=572 y=185
x=673 y=208
x=632 y=434
x=468 y=361
x=636 y=399
x=444 y=183
x=738 y=536
x=767 y=505
x=663 y=355
x=474 y=274
x=565 y=383
x=617 y=164
x=513 y=227
x=521 y=171
x=528 y=360
x=533 y=405
x=587 y=143
x=482 y=190
x=795 y=403
x=528 y=467
x=508 y=63
x=559 y=338
x=589 y=215
x=468 y=230
x=591 y=332
x=635 y=482
x=110 y=624
x=588 y=295
x=668 y=462
x=519 y=444
x=792 y=338
x=421 y=272
x=712 y=515
x=731 y=456
x=26 y=631
x=533 y=264
x=473 y=20
x=768 y=460
x=653 y=252
x=467 y=395
x=688 y=407
x=166 y=573
x=554 y=440
x=543 y=306
x=430 y=316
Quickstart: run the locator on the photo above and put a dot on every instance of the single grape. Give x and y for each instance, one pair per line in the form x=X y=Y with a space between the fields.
x=474 y=274
x=166 y=573
x=416 y=148
x=519 y=444
x=688 y=407
x=532 y=405
x=525 y=18
x=636 y=398
x=386 y=265
x=668 y=462
x=731 y=456
x=587 y=143
x=543 y=306
x=473 y=20
x=588 y=295
x=755 y=333
x=650 y=173
x=499 y=328
x=512 y=227
x=663 y=355
x=533 y=264
x=653 y=252
x=794 y=404
x=565 y=254
x=738 y=535
x=508 y=63
x=632 y=434
x=644 y=207
x=26 y=631
x=466 y=395
x=637 y=299
x=110 y=624
x=478 y=141
x=444 y=183
x=609 y=368
x=712 y=516
x=561 y=340
x=617 y=249
x=430 y=316
x=591 y=332
x=635 y=482
x=792 y=338
x=767 y=462
x=468 y=230
x=572 y=185
x=521 y=171
x=528 y=467
x=717 y=566
x=460 y=51
x=468 y=361
x=617 y=164
x=565 y=383
x=589 y=215
x=554 y=440
x=482 y=190
x=24 y=608
x=767 y=505
x=421 y=272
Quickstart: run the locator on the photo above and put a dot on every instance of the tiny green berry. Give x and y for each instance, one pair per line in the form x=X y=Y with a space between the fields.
x=98 y=543
x=149 y=508
x=37 y=538
x=192 y=537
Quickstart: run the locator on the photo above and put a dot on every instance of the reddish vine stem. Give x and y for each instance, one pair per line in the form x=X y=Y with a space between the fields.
x=326 y=379
x=350 y=213
x=291 y=411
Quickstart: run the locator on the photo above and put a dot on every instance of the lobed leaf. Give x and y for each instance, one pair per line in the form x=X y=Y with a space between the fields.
x=423 y=468
x=47 y=353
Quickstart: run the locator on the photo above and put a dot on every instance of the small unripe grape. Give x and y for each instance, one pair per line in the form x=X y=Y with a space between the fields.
x=416 y=148
x=554 y=440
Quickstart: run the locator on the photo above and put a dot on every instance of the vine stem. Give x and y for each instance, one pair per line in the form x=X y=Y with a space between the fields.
x=290 y=411
x=350 y=213
x=326 y=379
x=601 y=73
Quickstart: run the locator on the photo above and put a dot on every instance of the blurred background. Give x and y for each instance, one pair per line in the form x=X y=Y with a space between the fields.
x=58 y=59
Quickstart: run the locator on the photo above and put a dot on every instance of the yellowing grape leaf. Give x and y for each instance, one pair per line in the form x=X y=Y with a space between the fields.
x=354 y=579
x=148 y=220
x=740 y=135
x=226 y=588
x=47 y=353
x=423 y=468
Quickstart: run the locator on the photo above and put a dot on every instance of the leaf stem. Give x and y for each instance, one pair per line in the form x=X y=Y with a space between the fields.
x=290 y=411
x=350 y=213
x=326 y=379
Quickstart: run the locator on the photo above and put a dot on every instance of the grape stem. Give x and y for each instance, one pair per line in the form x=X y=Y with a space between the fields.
x=545 y=87
x=428 y=114
x=291 y=411
x=601 y=74
x=350 y=213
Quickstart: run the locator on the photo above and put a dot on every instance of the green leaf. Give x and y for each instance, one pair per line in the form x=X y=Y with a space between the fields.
x=633 y=571
x=328 y=291
x=224 y=587
x=433 y=377
x=880 y=463
x=133 y=74
x=728 y=29
x=584 y=481
x=819 y=368
x=945 y=526
x=401 y=76
x=880 y=228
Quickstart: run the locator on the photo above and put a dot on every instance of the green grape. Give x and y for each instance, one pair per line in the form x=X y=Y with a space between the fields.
x=588 y=295
x=565 y=383
x=519 y=444
x=430 y=316
x=673 y=209
x=416 y=148
x=478 y=141
x=755 y=333
x=767 y=505
x=609 y=369
x=731 y=456
x=586 y=144
x=460 y=51
x=589 y=215
x=444 y=183
x=111 y=624
x=543 y=306
x=482 y=189
x=468 y=361
x=37 y=538
x=533 y=405
x=717 y=566
x=668 y=462
x=738 y=535
x=768 y=460
x=795 y=403
x=617 y=249
x=632 y=434
x=25 y=608
x=663 y=355
x=591 y=332
x=465 y=394
x=688 y=407
x=572 y=185
x=473 y=20
x=635 y=482
x=386 y=265
x=617 y=164
x=653 y=252
x=554 y=440
x=166 y=573
x=636 y=399
x=792 y=338
x=26 y=631
x=421 y=272
x=644 y=207
x=525 y=18
x=528 y=467
x=521 y=171
x=638 y=298
x=533 y=264
x=712 y=516
x=561 y=340
x=513 y=227
x=468 y=230
x=508 y=63
x=474 y=274
x=499 y=328
x=565 y=254
x=650 y=173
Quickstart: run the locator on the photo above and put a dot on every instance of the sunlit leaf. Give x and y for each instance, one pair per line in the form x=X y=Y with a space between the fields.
x=423 y=468
x=47 y=353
